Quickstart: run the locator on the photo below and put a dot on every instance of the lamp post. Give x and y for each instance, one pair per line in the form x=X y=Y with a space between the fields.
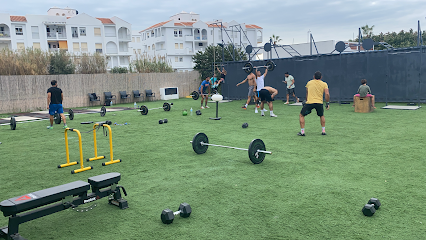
x=217 y=98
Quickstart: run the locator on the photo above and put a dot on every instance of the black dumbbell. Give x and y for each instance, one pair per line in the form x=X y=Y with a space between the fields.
x=165 y=120
x=168 y=215
x=245 y=125
x=160 y=121
x=370 y=208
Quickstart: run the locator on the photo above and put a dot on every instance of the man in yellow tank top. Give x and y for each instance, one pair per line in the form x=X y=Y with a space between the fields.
x=315 y=90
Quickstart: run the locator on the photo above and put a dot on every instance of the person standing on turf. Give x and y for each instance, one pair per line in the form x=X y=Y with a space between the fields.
x=289 y=80
x=54 y=103
x=204 y=87
x=315 y=90
x=251 y=90
x=267 y=95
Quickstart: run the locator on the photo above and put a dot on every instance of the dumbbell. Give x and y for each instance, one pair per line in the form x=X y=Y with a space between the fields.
x=370 y=208
x=161 y=121
x=168 y=215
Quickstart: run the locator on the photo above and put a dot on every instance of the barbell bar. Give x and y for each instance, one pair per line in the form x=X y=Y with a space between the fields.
x=144 y=109
x=256 y=150
x=248 y=67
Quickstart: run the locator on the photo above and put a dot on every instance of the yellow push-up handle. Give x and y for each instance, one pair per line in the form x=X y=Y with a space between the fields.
x=110 y=146
x=82 y=168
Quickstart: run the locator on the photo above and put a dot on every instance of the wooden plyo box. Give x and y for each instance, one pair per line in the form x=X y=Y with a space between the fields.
x=363 y=105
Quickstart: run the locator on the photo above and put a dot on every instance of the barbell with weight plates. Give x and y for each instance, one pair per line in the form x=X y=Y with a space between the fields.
x=195 y=95
x=256 y=150
x=57 y=116
x=144 y=109
x=248 y=67
x=11 y=123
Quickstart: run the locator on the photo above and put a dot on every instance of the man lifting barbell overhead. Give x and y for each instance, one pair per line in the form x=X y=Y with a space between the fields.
x=314 y=95
x=267 y=95
x=204 y=87
x=251 y=89
x=54 y=103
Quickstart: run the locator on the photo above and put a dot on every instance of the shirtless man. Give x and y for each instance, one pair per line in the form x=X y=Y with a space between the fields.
x=267 y=95
x=251 y=78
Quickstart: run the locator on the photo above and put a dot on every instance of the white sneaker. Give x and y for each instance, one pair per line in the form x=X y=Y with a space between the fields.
x=207 y=107
x=202 y=107
x=297 y=100
x=262 y=114
x=264 y=110
x=286 y=103
x=255 y=110
x=273 y=115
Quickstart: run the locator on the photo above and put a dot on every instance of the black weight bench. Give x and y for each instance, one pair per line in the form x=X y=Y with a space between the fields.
x=33 y=205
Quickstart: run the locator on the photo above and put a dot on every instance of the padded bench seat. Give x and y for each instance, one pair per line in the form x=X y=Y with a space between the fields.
x=104 y=180
x=43 y=197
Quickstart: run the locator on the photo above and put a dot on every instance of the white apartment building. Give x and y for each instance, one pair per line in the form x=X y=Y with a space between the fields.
x=184 y=34
x=65 y=29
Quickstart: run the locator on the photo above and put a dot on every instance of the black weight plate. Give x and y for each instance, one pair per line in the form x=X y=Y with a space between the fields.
x=198 y=138
x=249 y=49
x=144 y=110
x=103 y=111
x=256 y=144
x=248 y=68
x=367 y=44
x=12 y=123
x=71 y=114
x=57 y=118
x=271 y=65
x=340 y=46
x=267 y=47
x=166 y=106
x=195 y=95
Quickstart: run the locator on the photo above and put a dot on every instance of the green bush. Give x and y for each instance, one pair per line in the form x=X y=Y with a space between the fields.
x=61 y=63
x=119 y=70
x=156 y=64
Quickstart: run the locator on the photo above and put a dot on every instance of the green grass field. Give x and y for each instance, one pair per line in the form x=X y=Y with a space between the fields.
x=311 y=187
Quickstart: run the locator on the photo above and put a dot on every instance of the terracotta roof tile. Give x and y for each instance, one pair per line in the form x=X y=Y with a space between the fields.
x=184 y=24
x=156 y=25
x=252 y=26
x=18 y=19
x=105 y=20
x=215 y=25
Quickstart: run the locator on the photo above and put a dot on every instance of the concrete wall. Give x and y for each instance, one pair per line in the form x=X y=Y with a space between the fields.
x=28 y=93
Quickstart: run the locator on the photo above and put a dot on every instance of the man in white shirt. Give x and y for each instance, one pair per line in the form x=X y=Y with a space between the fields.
x=260 y=83
x=289 y=80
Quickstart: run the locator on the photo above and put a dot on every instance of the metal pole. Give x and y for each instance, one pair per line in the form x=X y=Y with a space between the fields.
x=244 y=149
x=359 y=39
x=217 y=112
x=310 y=44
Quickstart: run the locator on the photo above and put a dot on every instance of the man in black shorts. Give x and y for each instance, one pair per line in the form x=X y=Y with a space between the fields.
x=267 y=95
x=315 y=90
x=54 y=103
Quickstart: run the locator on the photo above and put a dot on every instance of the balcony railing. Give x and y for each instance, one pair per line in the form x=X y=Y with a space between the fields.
x=4 y=34
x=124 y=37
x=56 y=35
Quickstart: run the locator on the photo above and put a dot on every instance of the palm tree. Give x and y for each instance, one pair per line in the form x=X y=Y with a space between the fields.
x=367 y=31
x=275 y=39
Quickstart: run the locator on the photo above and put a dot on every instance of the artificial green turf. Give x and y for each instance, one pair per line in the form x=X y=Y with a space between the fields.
x=311 y=187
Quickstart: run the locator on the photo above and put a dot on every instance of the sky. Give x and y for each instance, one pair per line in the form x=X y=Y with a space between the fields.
x=290 y=20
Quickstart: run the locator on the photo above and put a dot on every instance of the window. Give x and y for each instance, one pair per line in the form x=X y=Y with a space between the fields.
x=98 y=47
x=149 y=48
x=57 y=14
x=153 y=47
x=176 y=59
x=84 y=47
x=139 y=51
x=34 y=30
x=63 y=14
x=175 y=32
x=200 y=44
x=18 y=30
x=211 y=32
x=20 y=46
x=180 y=59
x=74 y=32
x=36 y=45
x=138 y=39
x=76 y=47
x=180 y=32
x=152 y=33
x=97 y=32
x=82 y=31
x=181 y=46
x=162 y=46
x=176 y=45
x=147 y=34
x=133 y=39
x=134 y=51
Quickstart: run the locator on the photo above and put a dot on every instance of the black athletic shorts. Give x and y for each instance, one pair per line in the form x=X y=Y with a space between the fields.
x=308 y=108
x=265 y=95
x=291 y=91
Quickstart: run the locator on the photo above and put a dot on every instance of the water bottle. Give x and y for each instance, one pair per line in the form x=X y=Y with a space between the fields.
x=135 y=105
x=110 y=103
x=191 y=111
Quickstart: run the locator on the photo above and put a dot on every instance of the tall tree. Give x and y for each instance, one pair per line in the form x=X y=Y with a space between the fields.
x=213 y=54
x=275 y=39
x=367 y=31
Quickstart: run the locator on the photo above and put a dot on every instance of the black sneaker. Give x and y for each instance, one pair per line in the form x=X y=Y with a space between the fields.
x=323 y=133
x=300 y=134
